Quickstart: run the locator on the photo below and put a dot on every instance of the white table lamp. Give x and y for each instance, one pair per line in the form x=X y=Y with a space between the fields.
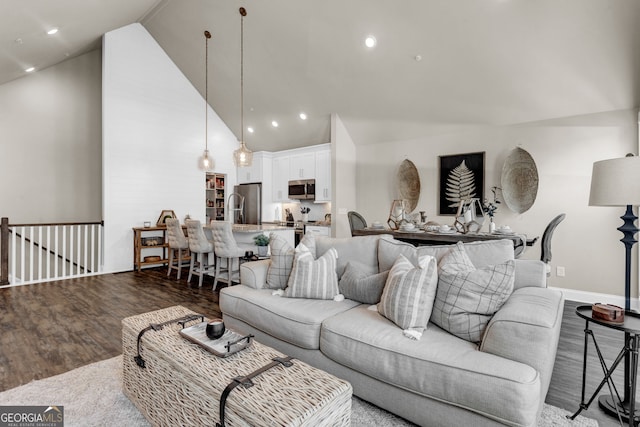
x=616 y=182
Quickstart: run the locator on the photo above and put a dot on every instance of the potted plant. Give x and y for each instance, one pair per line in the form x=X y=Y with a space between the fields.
x=261 y=241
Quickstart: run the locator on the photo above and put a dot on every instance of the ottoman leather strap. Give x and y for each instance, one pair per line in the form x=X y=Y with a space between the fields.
x=158 y=326
x=246 y=382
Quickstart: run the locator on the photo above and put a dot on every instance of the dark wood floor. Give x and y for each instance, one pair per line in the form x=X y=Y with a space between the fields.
x=50 y=328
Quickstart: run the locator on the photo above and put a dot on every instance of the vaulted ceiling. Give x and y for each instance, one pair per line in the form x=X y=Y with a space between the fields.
x=438 y=66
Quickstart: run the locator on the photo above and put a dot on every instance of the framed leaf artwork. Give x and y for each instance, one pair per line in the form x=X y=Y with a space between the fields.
x=461 y=178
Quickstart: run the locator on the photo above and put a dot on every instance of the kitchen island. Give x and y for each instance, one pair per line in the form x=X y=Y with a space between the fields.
x=244 y=234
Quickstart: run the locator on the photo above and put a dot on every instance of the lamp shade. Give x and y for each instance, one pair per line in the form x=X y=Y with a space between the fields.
x=616 y=182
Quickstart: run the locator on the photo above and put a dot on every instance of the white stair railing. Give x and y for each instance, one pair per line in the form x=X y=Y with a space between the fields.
x=46 y=252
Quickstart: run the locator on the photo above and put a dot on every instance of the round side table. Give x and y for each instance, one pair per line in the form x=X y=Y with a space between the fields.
x=613 y=404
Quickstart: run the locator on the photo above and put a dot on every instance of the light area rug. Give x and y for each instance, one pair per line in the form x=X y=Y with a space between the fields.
x=92 y=396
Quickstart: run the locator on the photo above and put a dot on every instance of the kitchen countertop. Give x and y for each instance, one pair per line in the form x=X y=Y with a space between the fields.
x=298 y=224
x=253 y=228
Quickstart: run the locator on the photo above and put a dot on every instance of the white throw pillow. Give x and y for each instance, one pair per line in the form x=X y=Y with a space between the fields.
x=314 y=279
x=467 y=297
x=409 y=293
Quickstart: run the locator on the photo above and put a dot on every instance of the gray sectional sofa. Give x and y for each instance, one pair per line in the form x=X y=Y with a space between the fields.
x=439 y=380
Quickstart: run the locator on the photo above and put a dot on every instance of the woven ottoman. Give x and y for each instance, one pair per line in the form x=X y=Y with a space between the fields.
x=181 y=382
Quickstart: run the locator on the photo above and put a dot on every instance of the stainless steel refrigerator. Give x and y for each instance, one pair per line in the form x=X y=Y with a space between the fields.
x=251 y=212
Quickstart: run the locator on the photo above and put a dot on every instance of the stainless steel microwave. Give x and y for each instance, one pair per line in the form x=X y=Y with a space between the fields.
x=304 y=189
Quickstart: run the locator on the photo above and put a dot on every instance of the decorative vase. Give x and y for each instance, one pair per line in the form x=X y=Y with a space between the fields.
x=305 y=217
x=215 y=329
x=492 y=226
x=262 y=250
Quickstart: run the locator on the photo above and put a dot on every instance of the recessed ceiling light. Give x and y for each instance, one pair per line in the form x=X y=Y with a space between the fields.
x=30 y=69
x=52 y=31
x=303 y=116
x=370 y=41
x=274 y=124
x=250 y=129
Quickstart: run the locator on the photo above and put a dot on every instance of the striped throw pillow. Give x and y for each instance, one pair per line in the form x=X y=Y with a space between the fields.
x=313 y=279
x=408 y=295
x=467 y=296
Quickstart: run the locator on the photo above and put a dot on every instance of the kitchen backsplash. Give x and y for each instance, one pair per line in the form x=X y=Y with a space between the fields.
x=316 y=213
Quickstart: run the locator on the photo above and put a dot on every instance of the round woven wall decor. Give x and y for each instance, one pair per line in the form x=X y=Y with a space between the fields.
x=519 y=181
x=409 y=184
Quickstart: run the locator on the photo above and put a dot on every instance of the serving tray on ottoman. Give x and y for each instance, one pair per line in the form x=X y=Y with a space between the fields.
x=181 y=383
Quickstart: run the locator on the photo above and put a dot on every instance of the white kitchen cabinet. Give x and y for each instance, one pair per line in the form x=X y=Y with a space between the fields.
x=323 y=176
x=302 y=166
x=281 y=179
x=253 y=173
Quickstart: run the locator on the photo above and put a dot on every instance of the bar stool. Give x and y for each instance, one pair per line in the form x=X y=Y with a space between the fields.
x=226 y=250
x=200 y=249
x=178 y=242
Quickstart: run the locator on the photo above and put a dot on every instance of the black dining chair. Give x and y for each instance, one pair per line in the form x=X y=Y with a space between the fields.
x=356 y=221
x=545 y=254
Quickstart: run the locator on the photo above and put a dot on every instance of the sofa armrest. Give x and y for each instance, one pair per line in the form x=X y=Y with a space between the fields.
x=530 y=272
x=526 y=329
x=254 y=273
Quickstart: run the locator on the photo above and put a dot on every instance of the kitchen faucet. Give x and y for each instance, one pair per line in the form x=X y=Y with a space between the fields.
x=232 y=209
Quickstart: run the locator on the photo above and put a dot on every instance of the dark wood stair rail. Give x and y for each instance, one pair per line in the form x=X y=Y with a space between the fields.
x=4 y=251
x=4 y=243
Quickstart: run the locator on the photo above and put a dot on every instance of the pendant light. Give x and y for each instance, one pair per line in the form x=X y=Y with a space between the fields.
x=205 y=162
x=242 y=156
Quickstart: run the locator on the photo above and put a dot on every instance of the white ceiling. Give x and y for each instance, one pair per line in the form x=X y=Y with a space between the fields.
x=484 y=62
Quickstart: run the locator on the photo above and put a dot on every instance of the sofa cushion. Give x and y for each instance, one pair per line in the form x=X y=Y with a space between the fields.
x=313 y=278
x=362 y=286
x=293 y=320
x=440 y=366
x=480 y=253
x=408 y=295
x=363 y=249
x=467 y=297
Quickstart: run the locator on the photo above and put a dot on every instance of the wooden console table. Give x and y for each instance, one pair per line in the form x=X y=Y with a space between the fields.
x=139 y=246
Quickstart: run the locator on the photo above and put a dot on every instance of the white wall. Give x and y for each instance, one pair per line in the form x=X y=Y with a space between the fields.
x=153 y=134
x=343 y=178
x=586 y=243
x=51 y=141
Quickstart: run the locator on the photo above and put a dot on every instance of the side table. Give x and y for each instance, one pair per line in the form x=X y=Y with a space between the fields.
x=614 y=404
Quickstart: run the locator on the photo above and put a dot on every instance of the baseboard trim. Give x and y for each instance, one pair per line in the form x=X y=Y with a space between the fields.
x=594 y=297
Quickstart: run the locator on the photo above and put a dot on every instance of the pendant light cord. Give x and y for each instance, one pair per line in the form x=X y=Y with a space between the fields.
x=207 y=36
x=243 y=13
